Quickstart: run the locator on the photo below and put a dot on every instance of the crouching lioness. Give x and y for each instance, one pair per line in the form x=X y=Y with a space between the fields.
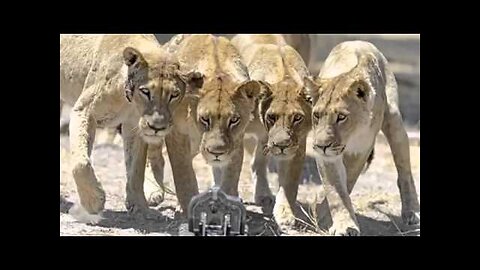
x=213 y=121
x=118 y=79
x=355 y=95
x=282 y=122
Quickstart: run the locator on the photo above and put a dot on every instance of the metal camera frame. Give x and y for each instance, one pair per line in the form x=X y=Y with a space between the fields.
x=214 y=213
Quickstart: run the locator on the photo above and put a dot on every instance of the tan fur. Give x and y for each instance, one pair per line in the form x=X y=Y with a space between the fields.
x=356 y=82
x=214 y=121
x=278 y=132
x=111 y=80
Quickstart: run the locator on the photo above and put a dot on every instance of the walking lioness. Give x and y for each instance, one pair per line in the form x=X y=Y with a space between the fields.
x=355 y=95
x=214 y=121
x=118 y=79
x=282 y=122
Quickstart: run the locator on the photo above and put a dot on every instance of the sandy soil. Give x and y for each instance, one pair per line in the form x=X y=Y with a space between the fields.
x=375 y=197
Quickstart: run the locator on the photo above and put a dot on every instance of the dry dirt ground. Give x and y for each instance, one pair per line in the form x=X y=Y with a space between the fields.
x=375 y=197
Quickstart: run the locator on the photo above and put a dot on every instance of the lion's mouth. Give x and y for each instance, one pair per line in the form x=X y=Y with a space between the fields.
x=336 y=150
x=156 y=132
x=329 y=151
x=215 y=159
x=279 y=152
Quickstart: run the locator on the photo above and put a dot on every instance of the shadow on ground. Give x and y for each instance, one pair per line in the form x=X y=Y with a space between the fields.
x=368 y=225
x=259 y=224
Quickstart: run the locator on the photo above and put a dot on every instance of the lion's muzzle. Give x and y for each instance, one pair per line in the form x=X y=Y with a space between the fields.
x=217 y=151
x=281 y=144
x=328 y=148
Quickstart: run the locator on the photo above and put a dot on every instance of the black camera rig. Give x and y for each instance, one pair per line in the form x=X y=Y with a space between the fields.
x=214 y=213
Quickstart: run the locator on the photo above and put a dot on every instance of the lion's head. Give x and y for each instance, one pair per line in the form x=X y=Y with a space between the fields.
x=285 y=112
x=156 y=86
x=224 y=109
x=341 y=111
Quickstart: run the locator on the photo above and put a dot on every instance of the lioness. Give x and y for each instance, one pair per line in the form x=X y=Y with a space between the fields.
x=111 y=80
x=355 y=95
x=283 y=119
x=214 y=121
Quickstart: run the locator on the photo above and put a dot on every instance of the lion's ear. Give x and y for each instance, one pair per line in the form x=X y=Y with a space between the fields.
x=265 y=91
x=192 y=81
x=249 y=89
x=361 y=90
x=311 y=89
x=129 y=88
x=195 y=81
x=135 y=61
x=132 y=56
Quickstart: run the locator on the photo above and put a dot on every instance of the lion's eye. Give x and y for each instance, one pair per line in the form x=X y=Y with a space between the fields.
x=205 y=121
x=341 y=118
x=234 y=121
x=174 y=95
x=297 y=118
x=145 y=91
x=271 y=118
x=316 y=115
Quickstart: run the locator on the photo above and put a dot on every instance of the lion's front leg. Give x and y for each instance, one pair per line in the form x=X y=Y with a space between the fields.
x=135 y=150
x=289 y=173
x=334 y=178
x=231 y=172
x=179 y=152
x=157 y=163
x=82 y=136
x=263 y=195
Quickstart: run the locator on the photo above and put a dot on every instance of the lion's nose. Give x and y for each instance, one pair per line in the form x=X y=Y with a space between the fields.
x=158 y=121
x=217 y=149
x=282 y=140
